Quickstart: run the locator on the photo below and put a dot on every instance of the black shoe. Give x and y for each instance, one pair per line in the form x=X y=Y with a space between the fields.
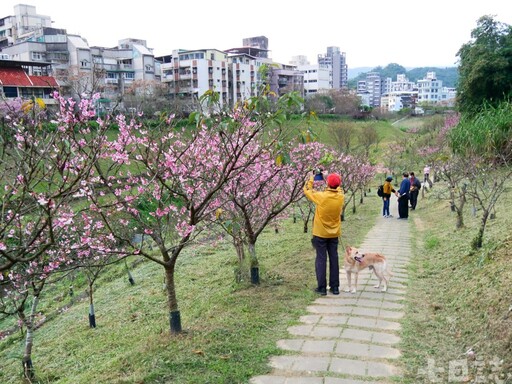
x=321 y=292
x=335 y=291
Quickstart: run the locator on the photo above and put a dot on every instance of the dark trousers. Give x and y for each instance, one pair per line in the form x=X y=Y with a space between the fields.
x=403 y=207
x=324 y=247
x=414 y=198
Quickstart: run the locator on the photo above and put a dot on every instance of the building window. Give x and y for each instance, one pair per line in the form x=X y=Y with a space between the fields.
x=10 y=92
x=37 y=56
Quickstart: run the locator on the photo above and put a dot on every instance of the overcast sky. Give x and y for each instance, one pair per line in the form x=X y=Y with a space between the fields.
x=370 y=32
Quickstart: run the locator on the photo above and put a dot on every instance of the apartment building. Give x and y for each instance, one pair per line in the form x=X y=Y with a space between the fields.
x=429 y=89
x=190 y=74
x=258 y=42
x=316 y=78
x=131 y=67
x=338 y=62
x=370 y=89
x=285 y=79
x=406 y=94
x=21 y=25
x=281 y=78
x=398 y=94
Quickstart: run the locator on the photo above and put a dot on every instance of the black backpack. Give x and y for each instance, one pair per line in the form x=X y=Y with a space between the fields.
x=380 y=191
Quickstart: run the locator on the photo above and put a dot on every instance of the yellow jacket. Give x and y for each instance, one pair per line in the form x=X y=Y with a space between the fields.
x=329 y=204
x=388 y=188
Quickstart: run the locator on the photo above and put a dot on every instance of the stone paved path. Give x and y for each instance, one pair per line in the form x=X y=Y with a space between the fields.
x=351 y=338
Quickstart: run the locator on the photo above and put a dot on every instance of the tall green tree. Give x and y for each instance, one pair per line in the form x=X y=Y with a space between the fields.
x=485 y=70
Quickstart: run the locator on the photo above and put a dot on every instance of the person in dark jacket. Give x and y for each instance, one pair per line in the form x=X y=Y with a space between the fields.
x=415 y=190
x=387 y=190
x=403 y=197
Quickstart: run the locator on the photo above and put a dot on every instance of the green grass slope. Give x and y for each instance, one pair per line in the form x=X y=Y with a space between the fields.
x=230 y=330
x=459 y=299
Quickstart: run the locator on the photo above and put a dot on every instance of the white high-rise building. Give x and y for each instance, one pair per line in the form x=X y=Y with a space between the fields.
x=338 y=62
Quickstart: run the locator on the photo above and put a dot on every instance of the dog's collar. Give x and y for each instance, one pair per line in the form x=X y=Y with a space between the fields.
x=359 y=259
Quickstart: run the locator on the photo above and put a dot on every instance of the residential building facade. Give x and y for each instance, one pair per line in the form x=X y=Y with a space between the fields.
x=338 y=62
x=370 y=89
x=21 y=25
x=316 y=78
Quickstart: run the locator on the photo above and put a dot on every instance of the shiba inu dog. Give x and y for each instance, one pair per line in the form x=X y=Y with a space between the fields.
x=356 y=261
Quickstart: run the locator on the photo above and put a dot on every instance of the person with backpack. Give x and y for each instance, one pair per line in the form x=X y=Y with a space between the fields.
x=387 y=189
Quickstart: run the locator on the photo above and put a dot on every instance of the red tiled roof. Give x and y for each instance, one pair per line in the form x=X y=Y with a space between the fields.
x=17 y=77
x=43 y=81
x=14 y=77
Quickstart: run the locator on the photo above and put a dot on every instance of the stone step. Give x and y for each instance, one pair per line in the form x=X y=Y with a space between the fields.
x=273 y=379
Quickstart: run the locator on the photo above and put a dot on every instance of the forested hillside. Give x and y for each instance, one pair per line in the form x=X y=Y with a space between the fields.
x=448 y=75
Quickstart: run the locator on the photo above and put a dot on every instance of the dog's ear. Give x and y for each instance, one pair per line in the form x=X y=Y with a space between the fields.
x=348 y=249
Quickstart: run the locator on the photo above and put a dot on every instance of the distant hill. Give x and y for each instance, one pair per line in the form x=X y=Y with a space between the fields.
x=354 y=72
x=448 y=75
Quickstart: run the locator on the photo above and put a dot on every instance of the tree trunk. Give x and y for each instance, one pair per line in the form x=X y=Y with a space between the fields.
x=255 y=276
x=460 y=213
x=239 y=248
x=478 y=240
x=452 y=199
x=174 y=313
x=92 y=316
x=130 y=277
x=28 y=368
x=460 y=219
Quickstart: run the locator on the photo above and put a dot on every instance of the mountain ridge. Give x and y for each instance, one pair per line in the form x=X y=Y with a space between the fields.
x=448 y=75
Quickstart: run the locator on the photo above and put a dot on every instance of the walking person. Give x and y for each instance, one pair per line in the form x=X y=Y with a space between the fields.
x=426 y=177
x=415 y=190
x=326 y=231
x=387 y=190
x=426 y=174
x=403 y=197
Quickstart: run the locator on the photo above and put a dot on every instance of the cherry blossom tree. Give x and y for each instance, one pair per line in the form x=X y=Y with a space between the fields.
x=44 y=168
x=166 y=182
x=26 y=280
x=262 y=193
x=355 y=173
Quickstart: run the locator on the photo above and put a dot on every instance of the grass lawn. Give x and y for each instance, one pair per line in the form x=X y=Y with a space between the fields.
x=458 y=298
x=230 y=330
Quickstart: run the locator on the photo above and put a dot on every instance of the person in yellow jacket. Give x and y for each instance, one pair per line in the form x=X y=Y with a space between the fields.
x=326 y=231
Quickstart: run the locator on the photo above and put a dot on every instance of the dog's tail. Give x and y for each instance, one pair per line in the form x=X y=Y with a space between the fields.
x=388 y=271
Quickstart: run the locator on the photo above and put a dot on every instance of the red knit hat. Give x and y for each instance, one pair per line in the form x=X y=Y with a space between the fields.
x=333 y=180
